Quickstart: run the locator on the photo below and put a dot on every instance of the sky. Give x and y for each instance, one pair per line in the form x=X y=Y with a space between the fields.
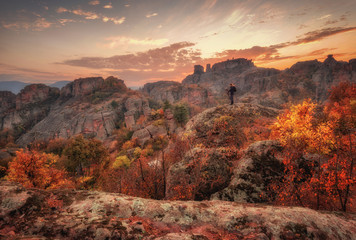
x=143 y=41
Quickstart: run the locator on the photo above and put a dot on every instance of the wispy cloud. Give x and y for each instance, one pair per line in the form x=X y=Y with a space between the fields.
x=40 y=24
x=151 y=15
x=321 y=34
x=324 y=17
x=117 y=41
x=86 y=14
x=95 y=2
x=92 y=15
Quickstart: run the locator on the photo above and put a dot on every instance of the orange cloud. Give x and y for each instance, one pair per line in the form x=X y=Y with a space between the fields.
x=95 y=2
x=108 y=6
x=173 y=56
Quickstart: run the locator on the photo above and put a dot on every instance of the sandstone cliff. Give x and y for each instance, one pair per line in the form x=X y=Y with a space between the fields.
x=66 y=214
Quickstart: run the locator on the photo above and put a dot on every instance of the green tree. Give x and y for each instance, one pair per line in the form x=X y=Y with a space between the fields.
x=81 y=153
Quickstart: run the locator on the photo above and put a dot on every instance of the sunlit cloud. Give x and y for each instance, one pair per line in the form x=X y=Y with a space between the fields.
x=92 y=15
x=114 y=20
x=151 y=15
x=108 y=6
x=95 y=2
x=64 y=21
x=86 y=14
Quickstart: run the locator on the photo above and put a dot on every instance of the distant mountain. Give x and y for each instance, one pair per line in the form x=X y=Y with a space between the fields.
x=59 y=84
x=12 y=86
x=17 y=86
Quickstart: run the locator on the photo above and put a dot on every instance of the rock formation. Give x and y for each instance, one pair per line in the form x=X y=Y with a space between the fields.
x=208 y=168
x=67 y=214
x=174 y=92
x=89 y=106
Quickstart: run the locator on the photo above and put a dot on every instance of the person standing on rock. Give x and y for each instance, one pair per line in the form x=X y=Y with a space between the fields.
x=231 y=92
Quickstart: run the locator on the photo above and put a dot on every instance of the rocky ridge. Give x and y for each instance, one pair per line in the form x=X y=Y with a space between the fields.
x=90 y=106
x=66 y=214
x=265 y=86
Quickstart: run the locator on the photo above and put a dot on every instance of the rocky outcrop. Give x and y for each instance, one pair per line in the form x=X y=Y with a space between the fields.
x=36 y=94
x=66 y=214
x=174 y=92
x=198 y=69
x=81 y=86
x=207 y=168
x=28 y=108
x=242 y=115
x=259 y=167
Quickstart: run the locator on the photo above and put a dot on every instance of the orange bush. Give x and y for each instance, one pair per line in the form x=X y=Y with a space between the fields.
x=35 y=169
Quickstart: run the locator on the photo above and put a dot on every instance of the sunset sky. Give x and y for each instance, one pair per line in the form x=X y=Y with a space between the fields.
x=143 y=41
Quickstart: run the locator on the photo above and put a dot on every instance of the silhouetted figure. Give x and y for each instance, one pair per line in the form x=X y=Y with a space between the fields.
x=231 y=92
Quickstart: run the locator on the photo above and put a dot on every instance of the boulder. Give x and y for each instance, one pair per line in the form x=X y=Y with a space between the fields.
x=68 y=214
x=259 y=166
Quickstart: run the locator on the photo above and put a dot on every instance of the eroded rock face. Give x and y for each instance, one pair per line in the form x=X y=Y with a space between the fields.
x=174 y=92
x=66 y=214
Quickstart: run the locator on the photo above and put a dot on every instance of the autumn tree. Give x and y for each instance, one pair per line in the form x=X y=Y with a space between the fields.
x=319 y=159
x=35 y=169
